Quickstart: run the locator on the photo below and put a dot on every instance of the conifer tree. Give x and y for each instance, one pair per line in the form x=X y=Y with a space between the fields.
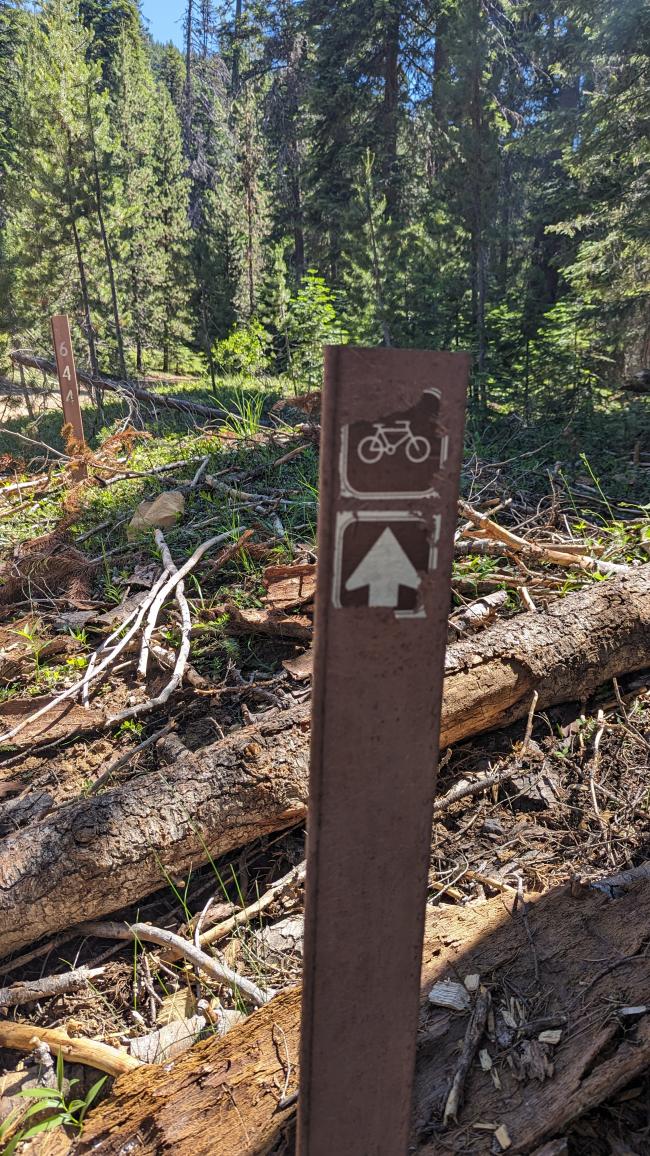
x=169 y=227
x=110 y=21
x=62 y=129
x=455 y=174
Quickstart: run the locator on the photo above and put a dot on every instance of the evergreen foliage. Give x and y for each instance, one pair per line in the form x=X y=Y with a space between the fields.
x=446 y=174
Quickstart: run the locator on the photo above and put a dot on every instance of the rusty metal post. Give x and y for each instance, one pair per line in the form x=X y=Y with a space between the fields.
x=65 y=366
x=392 y=435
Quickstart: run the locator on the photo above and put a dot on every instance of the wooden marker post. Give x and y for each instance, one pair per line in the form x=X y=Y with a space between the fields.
x=68 y=384
x=392 y=436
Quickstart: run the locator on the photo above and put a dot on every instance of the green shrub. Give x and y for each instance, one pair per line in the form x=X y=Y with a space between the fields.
x=311 y=323
x=245 y=350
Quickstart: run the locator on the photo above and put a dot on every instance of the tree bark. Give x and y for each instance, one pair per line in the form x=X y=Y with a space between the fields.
x=368 y=200
x=236 y=49
x=390 y=108
x=94 y=856
x=83 y=284
x=97 y=855
x=225 y=1094
x=99 y=203
x=188 y=102
x=83 y=280
x=564 y=654
x=30 y=361
x=477 y=179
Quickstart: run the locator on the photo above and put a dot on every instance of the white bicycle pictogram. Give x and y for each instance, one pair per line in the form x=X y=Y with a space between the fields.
x=386 y=440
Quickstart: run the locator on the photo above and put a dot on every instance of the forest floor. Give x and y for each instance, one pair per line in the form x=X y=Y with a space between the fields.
x=578 y=799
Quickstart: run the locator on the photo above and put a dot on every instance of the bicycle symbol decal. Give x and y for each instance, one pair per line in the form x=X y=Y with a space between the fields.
x=387 y=440
x=398 y=454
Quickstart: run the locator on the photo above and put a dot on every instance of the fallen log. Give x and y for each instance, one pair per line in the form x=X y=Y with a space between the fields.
x=124 y=388
x=565 y=654
x=236 y=1095
x=96 y=855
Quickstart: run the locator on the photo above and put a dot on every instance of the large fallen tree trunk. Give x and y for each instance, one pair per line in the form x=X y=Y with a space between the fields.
x=124 y=388
x=230 y=1095
x=94 y=856
x=564 y=654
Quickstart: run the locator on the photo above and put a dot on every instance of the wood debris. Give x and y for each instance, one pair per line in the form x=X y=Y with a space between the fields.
x=512 y=817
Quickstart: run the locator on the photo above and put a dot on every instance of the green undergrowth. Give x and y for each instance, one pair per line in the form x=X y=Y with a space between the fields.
x=277 y=503
x=595 y=460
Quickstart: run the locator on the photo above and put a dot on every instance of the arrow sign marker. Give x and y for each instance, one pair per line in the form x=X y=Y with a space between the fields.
x=386 y=540
x=384 y=569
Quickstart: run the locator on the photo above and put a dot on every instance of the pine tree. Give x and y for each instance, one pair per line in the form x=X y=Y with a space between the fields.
x=607 y=235
x=62 y=131
x=110 y=22
x=13 y=28
x=169 y=223
x=312 y=322
x=364 y=271
x=285 y=60
x=133 y=113
x=454 y=174
x=246 y=115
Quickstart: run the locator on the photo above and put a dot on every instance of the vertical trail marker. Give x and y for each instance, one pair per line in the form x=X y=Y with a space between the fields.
x=68 y=384
x=392 y=437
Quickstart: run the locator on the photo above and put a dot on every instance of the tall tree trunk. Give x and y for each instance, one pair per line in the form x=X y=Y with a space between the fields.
x=26 y=394
x=206 y=20
x=440 y=62
x=207 y=343
x=250 y=247
x=236 y=49
x=248 y=179
x=88 y=325
x=298 y=231
x=374 y=251
x=295 y=187
x=83 y=280
x=166 y=347
x=477 y=179
x=504 y=230
x=187 y=93
x=438 y=102
x=99 y=201
x=135 y=291
x=89 y=331
x=390 y=109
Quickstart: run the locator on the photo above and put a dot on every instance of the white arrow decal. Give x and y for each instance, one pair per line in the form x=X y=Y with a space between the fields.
x=384 y=569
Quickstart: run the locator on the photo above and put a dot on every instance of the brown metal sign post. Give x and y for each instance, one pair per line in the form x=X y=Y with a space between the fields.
x=67 y=372
x=392 y=436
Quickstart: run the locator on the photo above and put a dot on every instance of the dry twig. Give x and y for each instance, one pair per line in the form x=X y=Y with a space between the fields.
x=221 y=930
x=24 y=1037
x=202 y=962
x=517 y=545
x=475 y=1029
x=126 y=758
x=48 y=987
